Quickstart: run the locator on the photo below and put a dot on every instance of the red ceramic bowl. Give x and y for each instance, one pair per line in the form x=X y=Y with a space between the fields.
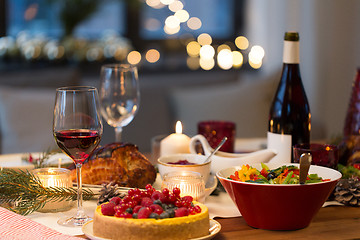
x=279 y=207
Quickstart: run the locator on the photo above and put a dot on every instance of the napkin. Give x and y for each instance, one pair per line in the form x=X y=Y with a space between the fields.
x=16 y=227
x=221 y=206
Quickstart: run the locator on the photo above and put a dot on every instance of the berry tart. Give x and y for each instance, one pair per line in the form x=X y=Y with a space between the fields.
x=150 y=214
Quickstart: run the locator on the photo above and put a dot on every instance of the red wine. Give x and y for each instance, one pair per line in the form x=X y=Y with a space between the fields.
x=289 y=118
x=78 y=144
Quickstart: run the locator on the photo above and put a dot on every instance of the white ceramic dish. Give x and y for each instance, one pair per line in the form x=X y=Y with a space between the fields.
x=223 y=160
x=214 y=229
x=198 y=160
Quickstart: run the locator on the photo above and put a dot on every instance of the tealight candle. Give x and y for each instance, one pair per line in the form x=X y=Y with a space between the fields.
x=190 y=184
x=54 y=177
x=175 y=143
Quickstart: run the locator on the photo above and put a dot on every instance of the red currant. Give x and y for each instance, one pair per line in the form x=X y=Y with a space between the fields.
x=166 y=191
x=197 y=209
x=176 y=191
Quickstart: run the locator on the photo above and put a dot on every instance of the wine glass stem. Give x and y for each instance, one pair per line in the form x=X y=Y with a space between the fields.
x=80 y=210
x=118 y=132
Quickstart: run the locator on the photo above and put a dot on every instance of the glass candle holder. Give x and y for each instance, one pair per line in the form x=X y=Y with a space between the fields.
x=325 y=155
x=215 y=131
x=55 y=177
x=190 y=184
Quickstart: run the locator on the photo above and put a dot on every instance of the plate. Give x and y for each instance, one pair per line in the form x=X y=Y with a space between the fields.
x=14 y=161
x=214 y=229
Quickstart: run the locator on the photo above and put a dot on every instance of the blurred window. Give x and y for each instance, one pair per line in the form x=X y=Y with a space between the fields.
x=215 y=17
x=44 y=17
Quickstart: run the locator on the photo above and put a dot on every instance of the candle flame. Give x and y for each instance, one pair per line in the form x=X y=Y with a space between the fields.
x=178 y=127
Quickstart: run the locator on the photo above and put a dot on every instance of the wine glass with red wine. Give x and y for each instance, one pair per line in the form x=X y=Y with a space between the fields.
x=77 y=130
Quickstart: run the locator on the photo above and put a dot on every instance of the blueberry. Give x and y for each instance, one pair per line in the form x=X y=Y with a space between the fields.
x=129 y=210
x=154 y=215
x=171 y=212
x=158 y=202
x=135 y=215
x=164 y=215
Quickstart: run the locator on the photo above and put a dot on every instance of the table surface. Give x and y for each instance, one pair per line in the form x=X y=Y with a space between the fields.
x=335 y=222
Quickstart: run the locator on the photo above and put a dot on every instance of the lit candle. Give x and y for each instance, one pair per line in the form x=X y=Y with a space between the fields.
x=189 y=183
x=54 y=177
x=175 y=143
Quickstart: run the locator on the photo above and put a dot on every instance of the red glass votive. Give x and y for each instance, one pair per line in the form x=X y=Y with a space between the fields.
x=215 y=131
x=325 y=155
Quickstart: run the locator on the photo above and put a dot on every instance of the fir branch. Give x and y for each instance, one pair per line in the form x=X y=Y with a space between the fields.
x=24 y=193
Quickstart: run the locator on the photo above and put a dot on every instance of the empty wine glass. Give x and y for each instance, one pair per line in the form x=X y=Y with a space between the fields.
x=77 y=130
x=119 y=95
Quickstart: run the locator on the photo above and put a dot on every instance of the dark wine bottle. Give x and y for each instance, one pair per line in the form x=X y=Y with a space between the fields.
x=289 y=118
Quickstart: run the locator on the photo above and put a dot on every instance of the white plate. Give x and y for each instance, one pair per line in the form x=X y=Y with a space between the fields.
x=214 y=229
x=15 y=161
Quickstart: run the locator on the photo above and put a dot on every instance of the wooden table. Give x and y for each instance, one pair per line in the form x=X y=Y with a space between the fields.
x=335 y=222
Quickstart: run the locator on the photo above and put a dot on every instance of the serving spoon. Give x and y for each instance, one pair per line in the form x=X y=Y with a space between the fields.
x=305 y=162
x=216 y=149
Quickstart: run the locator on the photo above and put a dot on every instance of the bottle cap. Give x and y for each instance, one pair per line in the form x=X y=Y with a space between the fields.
x=291 y=36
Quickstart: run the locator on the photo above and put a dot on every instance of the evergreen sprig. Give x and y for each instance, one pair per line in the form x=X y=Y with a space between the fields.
x=23 y=193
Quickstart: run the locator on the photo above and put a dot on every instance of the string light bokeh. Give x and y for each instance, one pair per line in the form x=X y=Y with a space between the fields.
x=201 y=51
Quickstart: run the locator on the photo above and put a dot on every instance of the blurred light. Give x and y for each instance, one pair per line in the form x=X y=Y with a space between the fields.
x=61 y=52
x=237 y=59
x=172 y=22
x=94 y=54
x=193 y=63
x=167 y=2
x=152 y=24
x=176 y=6
x=134 y=57
x=204 y=39
x=255 y=56
x=171 y=31
x=155 y=4
x=255 y=65
x=207 y=64
x=242 y=42
x=152 y=56
x=193 y=49
x=207 y=52
x=109 y=50
x=6 y=44
x=194 y=23
x=120 y=54
x=259 y=51
x=31 y=12
x=182 y=15
x=225 y=59
x=28 y=51
x=223 y=46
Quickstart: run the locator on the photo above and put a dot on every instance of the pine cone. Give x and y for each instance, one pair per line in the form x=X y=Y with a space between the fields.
x=109 y=191
x=347 y=192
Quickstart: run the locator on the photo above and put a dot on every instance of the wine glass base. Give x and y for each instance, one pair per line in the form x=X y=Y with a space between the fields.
x=73 y=221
